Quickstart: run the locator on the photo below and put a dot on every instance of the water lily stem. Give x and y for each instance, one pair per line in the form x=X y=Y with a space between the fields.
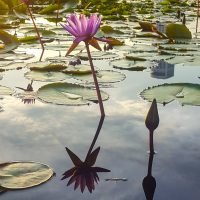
x=95 y=80
x=57 y=15
x=38 y=34
x=96 y=136
x=197 y=23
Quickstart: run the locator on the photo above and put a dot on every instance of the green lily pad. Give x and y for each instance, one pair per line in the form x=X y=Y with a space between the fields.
x=178 y=31
x=46 y=76
x=46 y=66
x=6 y=90
x=12 y=65
x=97 y=55
x=103 y=76
x=68 y=94
x=16 y=56
x=182 y=60
x=179 y=47
x=130 y=64
x=10 y=42
x=21 y=175
x=78 y=69
x=185 y=93
x=62 y=47
x=146 y=26
x=140 y=56
x=59 y=59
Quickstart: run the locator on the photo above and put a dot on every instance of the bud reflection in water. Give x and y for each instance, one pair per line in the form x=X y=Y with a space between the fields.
x=28 y=96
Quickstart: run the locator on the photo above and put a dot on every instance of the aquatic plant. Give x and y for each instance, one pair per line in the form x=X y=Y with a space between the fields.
x=27 y=2
x=83 y=174
x=83 y=29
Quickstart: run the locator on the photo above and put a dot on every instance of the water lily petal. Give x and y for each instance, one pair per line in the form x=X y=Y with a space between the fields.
x=75 y=159
x=72 y=47
x=69 y=29
x=77 y=182
x=100 y=169
x=68 y=173
x=84 y=22
x=81 y=38
x=94 y=43
x=73 y=26
x=91 y=159
x=83 y=183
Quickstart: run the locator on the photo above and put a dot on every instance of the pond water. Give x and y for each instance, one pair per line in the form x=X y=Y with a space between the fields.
x=41 y=131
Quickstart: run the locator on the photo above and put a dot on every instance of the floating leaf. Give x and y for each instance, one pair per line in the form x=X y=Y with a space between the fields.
x=46 y=76
x=78 y=69
x=12 y=65
x=59 y=59
x=178 y=31
x=21 y=175
x=10 y=42
x=16 y=56
x=185 y=93
x=68 y=94
x=147 y=26
x=97 y=55
x=130 y=64
x=46 y=66
x=103 y=76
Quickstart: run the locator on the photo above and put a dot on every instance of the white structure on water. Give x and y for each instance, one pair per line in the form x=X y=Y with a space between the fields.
x=162 y=70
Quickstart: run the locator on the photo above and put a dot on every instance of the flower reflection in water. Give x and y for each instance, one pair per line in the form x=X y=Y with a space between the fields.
x=28 y=96
x=84 y=174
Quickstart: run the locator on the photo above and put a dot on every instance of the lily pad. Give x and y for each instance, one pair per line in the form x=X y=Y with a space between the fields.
x=16 y=56
x=131 y=65
x=6 y=90
x=59 y=59
x=185 y=93
x=103 y=76
x=78 y=69
x=98 y=55
x=178 y=31
x=12 y=65
x=46 y=66
x=68 y=94
x=21 y=175
x=10 y=42
x=46 y=76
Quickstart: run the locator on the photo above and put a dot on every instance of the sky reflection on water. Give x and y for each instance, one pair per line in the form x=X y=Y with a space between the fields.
x=40 y=132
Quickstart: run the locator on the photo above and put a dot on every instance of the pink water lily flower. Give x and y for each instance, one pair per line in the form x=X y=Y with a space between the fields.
x=83 y=29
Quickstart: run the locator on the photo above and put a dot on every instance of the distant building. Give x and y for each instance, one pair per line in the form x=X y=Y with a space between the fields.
x=162 y=70
x=160 y=26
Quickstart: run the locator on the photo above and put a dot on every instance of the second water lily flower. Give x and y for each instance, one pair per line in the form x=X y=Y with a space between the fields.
x=83 y=29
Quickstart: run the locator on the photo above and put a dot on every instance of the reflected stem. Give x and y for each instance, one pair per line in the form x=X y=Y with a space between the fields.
x=150 y=163
x=151 y=144
x=197 y=23
x=95 y=80
x=96 y=136
x=38 y=34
